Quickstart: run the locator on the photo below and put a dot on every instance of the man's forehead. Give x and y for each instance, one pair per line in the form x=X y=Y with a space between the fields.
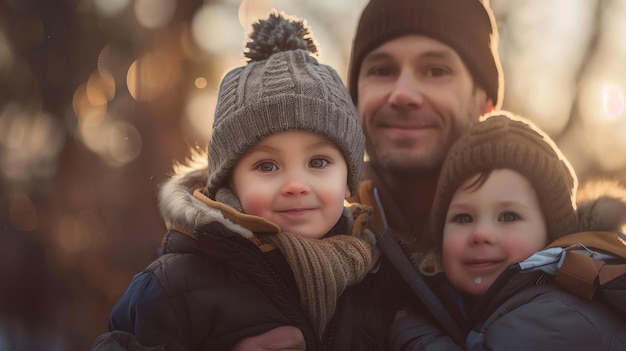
x=412 y=44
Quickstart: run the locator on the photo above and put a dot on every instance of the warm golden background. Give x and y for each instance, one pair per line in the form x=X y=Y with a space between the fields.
x=98 y=97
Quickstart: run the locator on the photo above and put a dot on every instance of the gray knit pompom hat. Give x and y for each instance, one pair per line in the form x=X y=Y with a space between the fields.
x=282 y=88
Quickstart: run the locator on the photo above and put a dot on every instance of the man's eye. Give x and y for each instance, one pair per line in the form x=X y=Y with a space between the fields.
x=380 y=71
x=266 y=167
x=509 y=217
x=437 y=71
x=318 y=163
x=462 y=218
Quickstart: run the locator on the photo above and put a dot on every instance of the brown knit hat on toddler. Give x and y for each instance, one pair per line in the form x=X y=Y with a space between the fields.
x=467 y=26
x=282 y=88
x=504 y=141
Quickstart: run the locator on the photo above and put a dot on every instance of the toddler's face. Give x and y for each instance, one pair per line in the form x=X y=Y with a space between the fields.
x=488 y=228
x=298 y=180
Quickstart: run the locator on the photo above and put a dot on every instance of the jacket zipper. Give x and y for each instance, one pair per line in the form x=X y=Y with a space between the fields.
x=283 y=285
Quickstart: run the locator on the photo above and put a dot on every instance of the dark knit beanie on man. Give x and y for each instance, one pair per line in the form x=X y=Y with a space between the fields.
x=282 y=88
x=467 y=26
x=502 y=141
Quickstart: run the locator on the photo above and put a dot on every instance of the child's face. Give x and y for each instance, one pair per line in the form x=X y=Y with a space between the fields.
x=488 y=228
x=295 y=179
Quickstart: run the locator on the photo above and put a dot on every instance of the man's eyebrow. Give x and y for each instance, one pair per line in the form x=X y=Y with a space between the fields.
x=377 y=56
x=443 y=53
x=431 y=54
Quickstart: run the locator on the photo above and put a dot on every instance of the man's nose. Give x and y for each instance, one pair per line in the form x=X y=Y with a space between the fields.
x=406 y=91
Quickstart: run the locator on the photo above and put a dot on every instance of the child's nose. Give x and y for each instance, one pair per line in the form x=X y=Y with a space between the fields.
x=295 y=184
x=483 y=233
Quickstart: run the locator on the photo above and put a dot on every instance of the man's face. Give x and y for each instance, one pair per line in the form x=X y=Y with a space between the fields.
x=415 y=97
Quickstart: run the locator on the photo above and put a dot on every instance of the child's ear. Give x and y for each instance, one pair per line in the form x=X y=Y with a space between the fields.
x=486 y=106
x=347 y=194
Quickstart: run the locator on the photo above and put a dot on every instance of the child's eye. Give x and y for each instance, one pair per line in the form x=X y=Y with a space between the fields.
x=318 y=163
x=508 y=217
x=462 y=218
x=266 y=166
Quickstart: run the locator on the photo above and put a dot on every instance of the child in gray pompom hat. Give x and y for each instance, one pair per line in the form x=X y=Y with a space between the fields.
x=282 y=88
x=261 y=237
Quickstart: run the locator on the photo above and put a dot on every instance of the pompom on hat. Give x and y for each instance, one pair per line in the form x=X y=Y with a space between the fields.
x=467 y=26
x=282 y=88
x=504 y=141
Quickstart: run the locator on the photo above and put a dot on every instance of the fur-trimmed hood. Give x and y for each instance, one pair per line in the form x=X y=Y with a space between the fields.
x=184 y=205
x=602 y=206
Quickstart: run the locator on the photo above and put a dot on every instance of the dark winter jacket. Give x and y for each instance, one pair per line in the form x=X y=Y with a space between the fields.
x=523 y=310
x=219 y=281
x=397 y=283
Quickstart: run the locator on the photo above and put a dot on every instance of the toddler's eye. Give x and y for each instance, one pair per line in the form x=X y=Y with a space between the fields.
x=318 y=163
x=266 y=167
x=462 y=218
x=509 y=217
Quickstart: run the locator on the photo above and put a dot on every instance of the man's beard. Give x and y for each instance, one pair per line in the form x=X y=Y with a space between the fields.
x=409 y=166
x=405 y=169
x=418 y=166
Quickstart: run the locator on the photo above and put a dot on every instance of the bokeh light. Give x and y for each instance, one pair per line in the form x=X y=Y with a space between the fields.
x=123 y=143
x=612 y=102
x=200 y=82
x=199 y=114
x=251 y=10
x=151 y=75
x=110 y=7
x=154 y=13
x=215 y=30
x=87 y=112
x=100 y=88
x=29 y=144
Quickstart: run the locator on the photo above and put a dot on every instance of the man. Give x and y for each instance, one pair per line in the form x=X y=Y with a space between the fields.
x=421 y=73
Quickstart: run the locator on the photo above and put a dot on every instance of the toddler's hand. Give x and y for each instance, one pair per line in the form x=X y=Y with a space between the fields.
x=284 y=338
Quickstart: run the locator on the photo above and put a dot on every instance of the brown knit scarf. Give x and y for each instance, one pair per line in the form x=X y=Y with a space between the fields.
x=323 y=268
